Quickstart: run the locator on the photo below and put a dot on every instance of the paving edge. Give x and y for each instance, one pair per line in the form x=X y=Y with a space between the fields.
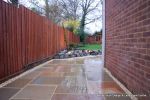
x=121 y=85
x=23 y=74
x=79 y=57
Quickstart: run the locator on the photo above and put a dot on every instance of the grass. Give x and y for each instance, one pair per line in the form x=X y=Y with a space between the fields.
x=91 y=47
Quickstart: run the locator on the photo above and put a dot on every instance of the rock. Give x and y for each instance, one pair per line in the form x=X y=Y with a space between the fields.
x=80 y=51
x=66 y=56
x=62 y=56
x=93 y=53
x=61 y=53
x=84 y=54
x=64 y=51
x=76 y=53
x=56 y=57
x=73 y=55
x=100 y=53
x=69 y=55
x=69 y=52
x=81 y=54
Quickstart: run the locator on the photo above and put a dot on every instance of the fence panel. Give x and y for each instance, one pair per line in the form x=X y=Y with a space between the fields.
x=26 y=38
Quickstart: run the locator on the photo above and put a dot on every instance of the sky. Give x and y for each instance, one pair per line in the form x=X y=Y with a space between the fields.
x=97 y=24
x=92 y=27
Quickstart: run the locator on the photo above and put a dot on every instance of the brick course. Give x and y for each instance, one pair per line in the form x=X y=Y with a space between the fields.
x=128 y=43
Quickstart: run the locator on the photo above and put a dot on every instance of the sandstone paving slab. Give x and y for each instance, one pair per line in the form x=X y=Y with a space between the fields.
x=6 y=93
x=19 y=83
x=36 y=92
x=68 y=79
x=76 y=97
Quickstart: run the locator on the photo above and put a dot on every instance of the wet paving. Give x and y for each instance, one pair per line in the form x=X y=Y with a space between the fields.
x=68 y=79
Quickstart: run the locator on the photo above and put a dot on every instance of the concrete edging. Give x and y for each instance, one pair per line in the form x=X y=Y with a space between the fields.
x=121 y=85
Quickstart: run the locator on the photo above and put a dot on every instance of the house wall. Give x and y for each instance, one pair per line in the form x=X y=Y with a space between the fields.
x=128 y=43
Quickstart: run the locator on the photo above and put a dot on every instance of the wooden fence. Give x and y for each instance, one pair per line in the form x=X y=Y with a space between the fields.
x=26 y=38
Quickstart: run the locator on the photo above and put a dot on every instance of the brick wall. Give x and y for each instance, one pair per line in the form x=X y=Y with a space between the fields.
x=94 y=39
x=128 y=43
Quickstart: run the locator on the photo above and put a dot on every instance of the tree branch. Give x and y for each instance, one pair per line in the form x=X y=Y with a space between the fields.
x=92 y=20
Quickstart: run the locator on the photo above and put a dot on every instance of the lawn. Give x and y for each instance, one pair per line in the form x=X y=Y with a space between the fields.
x=91 y=47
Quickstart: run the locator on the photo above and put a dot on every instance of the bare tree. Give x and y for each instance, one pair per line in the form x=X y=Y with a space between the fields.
x=70 y=9
x=81 y=10
x=88 y=7
x=55 y=11
x=36 y=7
x=58 y=10
x=14 y=2
x=51 y=9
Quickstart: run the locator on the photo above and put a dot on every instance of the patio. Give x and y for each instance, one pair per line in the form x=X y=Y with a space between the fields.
x=81 y=78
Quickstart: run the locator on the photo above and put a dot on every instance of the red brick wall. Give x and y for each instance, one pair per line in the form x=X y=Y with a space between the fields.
x=94 y=39
x=128 y=43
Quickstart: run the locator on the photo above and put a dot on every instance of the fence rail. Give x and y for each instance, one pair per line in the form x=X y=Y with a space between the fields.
x=26 y=37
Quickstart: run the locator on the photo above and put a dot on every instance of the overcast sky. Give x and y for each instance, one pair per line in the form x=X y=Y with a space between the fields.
x=97 y=24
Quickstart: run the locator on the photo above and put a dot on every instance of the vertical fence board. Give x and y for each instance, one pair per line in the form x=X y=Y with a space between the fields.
x=5 y=36
x=1 y=43
x=26 y=38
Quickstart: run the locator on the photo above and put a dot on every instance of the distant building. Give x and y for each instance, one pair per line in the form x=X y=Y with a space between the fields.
x=96 y=38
